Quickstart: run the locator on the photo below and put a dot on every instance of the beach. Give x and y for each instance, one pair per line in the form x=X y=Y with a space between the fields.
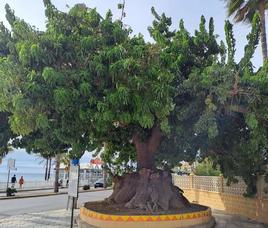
x=31 y=167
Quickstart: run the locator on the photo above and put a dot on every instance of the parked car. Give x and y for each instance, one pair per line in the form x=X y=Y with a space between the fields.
x=99 y=183
x=183 y=173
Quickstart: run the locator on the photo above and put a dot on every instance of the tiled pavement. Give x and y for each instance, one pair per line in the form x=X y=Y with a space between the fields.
x=62 y=218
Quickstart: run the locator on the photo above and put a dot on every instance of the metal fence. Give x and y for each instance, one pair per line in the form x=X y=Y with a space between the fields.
x=219 y=184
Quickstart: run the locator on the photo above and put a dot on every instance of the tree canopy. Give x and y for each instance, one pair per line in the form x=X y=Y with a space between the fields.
x=87 y=83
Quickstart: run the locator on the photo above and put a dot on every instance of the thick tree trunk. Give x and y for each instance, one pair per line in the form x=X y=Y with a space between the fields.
x=148 y=189
x=261 y=6
x=146 y=149
x=57 y=167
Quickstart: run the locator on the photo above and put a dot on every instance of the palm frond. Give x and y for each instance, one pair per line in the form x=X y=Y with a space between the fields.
x=241 y=13
x=242 y=10
x=233 y=5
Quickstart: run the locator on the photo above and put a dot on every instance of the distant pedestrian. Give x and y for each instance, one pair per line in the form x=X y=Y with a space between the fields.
x=21 y=181
x=13 y=180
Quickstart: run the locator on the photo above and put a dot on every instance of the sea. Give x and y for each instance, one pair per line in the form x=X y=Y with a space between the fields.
x=30 y=166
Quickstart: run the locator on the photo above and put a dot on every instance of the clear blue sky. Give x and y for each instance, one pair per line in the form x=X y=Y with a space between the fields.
x=139 y=15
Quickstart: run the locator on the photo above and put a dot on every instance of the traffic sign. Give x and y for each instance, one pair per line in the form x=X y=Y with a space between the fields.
x=11 y=163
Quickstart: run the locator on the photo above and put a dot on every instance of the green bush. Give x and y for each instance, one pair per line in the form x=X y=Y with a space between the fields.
x=86 y=187
x=11 y=191
x=206 y=168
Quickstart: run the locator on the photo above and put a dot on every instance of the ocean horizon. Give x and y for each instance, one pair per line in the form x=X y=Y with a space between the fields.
x=30 y=166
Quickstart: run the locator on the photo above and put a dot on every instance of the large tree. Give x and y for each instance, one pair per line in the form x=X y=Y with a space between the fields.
x=6 y=134
x=86 y=82
x=244 y=10
x=18 y=94
x=232 y=129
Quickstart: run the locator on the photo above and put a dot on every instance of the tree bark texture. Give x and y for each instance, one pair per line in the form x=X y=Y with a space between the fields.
x=261 y=6
x=146 y=149
x=57 y=170
x=149 y=190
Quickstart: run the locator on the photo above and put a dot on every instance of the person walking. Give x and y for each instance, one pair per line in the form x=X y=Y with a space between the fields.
x=21 y=181
x=13 y=181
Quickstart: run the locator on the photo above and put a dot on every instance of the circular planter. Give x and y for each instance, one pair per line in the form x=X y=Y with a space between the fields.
x=201 y=219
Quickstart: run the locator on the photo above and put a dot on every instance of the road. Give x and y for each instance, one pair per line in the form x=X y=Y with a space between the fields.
x=46 y=203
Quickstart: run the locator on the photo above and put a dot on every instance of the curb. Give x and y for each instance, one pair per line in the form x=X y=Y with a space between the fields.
x=50 y=194
x=35 y=189
x=29 y=190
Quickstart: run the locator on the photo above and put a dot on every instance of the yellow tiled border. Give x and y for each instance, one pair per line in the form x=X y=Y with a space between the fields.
x=144 y=218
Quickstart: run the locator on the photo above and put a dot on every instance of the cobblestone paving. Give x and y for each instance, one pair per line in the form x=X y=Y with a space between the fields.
x=55 y=219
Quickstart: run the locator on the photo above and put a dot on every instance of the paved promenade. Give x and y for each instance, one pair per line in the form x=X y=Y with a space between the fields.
x=233 y=221
x=34 y=212
x=62 y=218
x=48 y=219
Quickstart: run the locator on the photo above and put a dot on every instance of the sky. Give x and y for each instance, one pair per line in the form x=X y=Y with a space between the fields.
x=28 y=162
x=139 y=17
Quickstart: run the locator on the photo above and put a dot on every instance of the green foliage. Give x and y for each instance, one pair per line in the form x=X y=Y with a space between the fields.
x=230 y=41
x=253 y=39
x=243 y=11
x=246 y=11
x=207 y=168
x=5 y=134
x=85 y=84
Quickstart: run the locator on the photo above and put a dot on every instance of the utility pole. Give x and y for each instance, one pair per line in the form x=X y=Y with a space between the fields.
x=73 y=185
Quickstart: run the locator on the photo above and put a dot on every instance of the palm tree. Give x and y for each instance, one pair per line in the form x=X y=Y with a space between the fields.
x=244 y=10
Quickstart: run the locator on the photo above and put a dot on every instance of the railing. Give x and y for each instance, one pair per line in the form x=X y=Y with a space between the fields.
x=48 y=184
x=29 y=185
x=219 y=184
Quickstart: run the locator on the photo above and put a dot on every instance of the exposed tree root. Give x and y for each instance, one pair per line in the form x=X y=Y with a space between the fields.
x=150 y=190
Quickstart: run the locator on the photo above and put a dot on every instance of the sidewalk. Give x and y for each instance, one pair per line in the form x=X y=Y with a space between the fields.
x=234 y=221
x=39 y=192
x=48 y=219
x=27 y=189
x=62 y=218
